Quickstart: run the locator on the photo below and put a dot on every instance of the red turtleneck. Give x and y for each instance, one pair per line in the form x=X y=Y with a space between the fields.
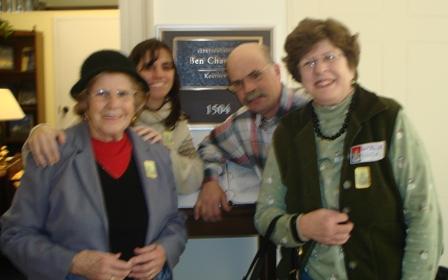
x=114 y=156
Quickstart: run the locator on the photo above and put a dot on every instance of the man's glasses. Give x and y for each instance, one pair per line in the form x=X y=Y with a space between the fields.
x=253 y=76
x=328 y=58
x=105 y=95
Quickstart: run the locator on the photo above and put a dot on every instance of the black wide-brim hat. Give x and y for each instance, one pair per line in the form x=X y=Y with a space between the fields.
x=106 y=61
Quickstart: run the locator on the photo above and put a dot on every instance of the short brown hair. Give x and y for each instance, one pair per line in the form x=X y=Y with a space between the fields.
x=311 y=31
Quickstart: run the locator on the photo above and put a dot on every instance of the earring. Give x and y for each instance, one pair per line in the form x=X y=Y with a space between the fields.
x=134 y=118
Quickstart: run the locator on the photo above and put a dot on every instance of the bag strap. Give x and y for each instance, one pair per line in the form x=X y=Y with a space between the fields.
x=262 y=250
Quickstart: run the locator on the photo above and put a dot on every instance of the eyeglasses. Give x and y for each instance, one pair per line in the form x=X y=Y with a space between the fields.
x=105 y=95
x=253 y=76
x=328 y=58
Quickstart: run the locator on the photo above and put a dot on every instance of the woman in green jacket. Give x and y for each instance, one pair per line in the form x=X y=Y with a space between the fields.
x=347 y=173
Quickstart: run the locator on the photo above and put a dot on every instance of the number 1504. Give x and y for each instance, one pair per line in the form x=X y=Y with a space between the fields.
x=218 y=109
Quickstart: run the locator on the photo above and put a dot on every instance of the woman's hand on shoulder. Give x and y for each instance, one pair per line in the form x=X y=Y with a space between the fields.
x=95 y=265
x=43 y=144
x=148 y=262
x=148 y=134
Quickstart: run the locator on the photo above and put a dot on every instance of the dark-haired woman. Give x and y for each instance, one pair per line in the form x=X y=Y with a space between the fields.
x=163 y=113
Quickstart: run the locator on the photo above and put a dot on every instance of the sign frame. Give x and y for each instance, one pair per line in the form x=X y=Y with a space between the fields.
x=204 y=99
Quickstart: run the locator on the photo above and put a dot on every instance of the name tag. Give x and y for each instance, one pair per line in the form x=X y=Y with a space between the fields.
x=368 y=152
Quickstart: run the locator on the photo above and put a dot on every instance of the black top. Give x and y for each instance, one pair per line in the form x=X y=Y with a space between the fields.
x=126 y=210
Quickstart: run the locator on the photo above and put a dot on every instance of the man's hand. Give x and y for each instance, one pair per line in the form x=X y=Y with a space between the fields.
x=148 y=134
x=95 y=265
x=326 y=226
x=210 y=201
x=43 y=144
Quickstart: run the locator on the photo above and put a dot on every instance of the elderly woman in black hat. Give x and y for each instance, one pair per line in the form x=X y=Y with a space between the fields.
x=108 y=209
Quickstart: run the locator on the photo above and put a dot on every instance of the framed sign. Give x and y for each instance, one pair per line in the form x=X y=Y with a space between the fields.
x=200 y=54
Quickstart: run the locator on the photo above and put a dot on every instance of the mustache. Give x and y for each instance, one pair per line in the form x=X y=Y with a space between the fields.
x=252 y=95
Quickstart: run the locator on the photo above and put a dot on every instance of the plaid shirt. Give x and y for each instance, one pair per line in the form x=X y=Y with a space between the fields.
x=244 y=138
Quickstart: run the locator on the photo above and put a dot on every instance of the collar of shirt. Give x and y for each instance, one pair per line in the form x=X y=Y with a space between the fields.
x=265 y=123
x=286 y=101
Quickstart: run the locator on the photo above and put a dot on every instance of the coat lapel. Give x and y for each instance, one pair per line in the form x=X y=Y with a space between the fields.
x=86 y=168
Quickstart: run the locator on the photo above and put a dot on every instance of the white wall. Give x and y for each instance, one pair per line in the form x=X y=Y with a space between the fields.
x=98 y=32
x=230 y=12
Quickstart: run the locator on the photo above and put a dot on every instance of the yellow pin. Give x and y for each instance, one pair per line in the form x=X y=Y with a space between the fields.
x=150 y=169
x=362 y=177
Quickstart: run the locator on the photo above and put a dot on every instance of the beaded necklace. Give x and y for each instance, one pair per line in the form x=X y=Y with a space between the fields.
x=316 y=123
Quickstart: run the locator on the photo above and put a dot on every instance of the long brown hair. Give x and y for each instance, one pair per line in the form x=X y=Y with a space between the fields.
x=153 y=46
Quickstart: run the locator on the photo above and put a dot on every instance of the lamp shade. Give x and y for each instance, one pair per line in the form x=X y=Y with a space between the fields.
x=9 y=108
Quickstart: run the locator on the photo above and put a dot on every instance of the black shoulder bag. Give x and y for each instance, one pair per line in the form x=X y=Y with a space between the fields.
x=254 y=271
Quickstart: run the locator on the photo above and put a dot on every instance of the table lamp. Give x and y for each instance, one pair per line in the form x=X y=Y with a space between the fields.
x=9 y=110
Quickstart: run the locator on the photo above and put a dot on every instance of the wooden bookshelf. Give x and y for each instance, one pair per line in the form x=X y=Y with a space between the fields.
x=22 y=71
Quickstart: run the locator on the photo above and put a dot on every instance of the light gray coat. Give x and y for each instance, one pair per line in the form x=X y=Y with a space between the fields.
x=59 y=210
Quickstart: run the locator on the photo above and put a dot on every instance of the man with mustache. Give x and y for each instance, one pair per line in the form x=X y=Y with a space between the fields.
x=244 y=138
